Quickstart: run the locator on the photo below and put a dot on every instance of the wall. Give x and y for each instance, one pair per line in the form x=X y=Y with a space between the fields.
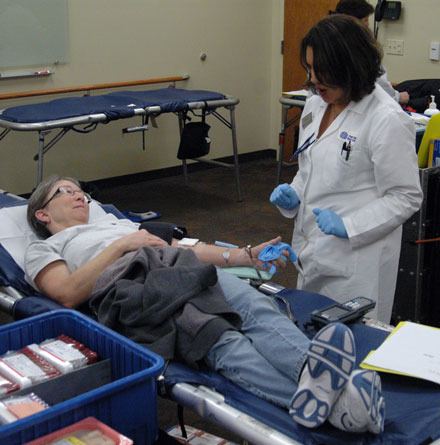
x=117 y=41
x=417 y=26
x=113 y=40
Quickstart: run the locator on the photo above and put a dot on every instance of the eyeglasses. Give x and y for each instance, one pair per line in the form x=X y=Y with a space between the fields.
x=65 y=190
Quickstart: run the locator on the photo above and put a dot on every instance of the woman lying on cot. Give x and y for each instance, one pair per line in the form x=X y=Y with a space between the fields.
x=176 y=302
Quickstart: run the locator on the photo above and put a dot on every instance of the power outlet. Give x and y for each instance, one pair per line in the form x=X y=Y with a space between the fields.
x=394 y=46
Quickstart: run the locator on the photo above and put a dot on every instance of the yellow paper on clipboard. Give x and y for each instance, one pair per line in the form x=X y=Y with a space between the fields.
x=412 y=349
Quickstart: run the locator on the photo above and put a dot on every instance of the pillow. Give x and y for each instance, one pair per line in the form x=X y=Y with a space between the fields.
x=16 y=234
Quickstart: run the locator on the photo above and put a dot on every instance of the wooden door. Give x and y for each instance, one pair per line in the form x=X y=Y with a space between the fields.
x=299 y=17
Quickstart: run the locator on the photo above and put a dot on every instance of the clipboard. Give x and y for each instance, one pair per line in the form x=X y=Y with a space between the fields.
x=411 y=350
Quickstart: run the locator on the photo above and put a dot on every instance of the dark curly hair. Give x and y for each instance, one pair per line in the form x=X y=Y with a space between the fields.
x=356 y=8
x=345 y=55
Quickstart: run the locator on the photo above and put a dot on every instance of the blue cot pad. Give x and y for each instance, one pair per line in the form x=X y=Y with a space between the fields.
x=117 y=105
x=412 y=413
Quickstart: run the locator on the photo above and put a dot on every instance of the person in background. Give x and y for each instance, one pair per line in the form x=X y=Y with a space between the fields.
x=362 y=10
x=357 y=179
x=162 y=296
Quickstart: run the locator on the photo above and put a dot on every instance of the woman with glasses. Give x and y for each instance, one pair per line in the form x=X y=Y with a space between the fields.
x=58 y=212
x=357 y=179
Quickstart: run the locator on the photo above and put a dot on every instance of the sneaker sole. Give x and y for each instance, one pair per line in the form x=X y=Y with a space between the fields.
x=331 y=359
x=369 y=387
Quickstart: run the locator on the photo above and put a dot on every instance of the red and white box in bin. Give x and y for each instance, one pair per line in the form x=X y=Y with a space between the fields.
x=89 y=431
x=26 y=368
x=65 y=353
x=51 y=358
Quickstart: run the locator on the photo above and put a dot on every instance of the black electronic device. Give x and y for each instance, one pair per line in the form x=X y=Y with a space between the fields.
x=349 y=311
x=388 y=10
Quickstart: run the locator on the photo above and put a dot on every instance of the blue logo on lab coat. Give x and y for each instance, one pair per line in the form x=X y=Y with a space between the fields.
x=347 y=137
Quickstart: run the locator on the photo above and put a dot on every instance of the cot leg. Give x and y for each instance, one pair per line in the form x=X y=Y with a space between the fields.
x=235 y=150
x=4 y=133
x=185 y=171
x=40 y=156
x=184 y=164
x=281 y=142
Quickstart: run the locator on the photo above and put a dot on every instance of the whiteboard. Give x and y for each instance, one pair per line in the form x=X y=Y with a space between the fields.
x=33 y=32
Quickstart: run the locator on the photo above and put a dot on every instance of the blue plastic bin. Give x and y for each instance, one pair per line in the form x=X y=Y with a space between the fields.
x=127 y=403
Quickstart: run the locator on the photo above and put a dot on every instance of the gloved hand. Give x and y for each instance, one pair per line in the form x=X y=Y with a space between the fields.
x=284 y=196
x=274 y=252
x=330 y=223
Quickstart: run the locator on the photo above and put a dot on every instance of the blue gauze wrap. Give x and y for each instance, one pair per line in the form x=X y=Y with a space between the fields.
x=274 y=251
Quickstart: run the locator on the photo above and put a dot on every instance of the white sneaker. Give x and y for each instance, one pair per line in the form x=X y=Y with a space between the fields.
x=361 y=406
x=330 y=361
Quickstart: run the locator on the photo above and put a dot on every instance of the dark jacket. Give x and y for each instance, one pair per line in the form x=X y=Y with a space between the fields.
x=420 y=91
x=165 y=299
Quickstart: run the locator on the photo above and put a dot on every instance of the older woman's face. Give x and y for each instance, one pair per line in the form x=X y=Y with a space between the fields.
x=66 y=206
x=330 y=95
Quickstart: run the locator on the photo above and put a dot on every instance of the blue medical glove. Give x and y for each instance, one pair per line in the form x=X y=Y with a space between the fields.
x=274 y=252
x=330 y=223
x=284 y=196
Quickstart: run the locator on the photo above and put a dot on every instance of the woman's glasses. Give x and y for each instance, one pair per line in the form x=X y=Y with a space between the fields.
x=65 y=190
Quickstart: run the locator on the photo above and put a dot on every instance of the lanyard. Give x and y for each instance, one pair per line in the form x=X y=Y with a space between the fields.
x=307 y=143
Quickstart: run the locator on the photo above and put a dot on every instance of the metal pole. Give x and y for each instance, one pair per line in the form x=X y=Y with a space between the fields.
x=418 y=297
x=235 y=150
x=184 y=165
x=281 y=141
x=40 y=156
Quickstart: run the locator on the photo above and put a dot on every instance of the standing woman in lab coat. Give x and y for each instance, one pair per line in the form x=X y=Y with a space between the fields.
x=358 y=180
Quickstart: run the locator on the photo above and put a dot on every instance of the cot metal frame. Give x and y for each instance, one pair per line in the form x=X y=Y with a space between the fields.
x=286 y=104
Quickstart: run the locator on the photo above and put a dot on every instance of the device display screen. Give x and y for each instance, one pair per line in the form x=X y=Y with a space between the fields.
x=333 y=313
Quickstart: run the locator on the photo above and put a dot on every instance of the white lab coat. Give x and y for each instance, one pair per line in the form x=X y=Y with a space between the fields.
x=374 y=192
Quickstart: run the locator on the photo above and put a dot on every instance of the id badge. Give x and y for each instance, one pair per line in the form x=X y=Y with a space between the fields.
x=307 y=120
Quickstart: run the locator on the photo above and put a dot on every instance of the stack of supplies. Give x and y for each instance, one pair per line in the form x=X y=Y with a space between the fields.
x=32 y=365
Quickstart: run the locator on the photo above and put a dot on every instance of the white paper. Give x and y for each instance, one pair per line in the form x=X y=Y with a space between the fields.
x=414 y=349
x=304 y=93
x=420 y=118
x=188 y=242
